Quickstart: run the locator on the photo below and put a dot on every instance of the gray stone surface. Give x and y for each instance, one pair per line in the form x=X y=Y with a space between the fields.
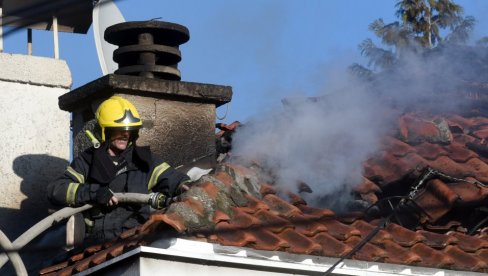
x=34 y=70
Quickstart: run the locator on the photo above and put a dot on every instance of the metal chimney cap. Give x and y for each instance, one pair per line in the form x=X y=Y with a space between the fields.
x=164 y=33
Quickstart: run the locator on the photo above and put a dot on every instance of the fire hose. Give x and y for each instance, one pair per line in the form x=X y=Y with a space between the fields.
x=154 y=200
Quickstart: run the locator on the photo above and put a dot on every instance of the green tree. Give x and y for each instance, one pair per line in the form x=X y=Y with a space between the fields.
x=423 y=25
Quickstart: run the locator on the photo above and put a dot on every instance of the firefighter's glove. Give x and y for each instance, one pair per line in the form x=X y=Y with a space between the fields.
x=103 y=196
x=157 y=200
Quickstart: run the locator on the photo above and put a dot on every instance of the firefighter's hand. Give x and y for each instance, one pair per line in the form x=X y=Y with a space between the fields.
x=106 y=197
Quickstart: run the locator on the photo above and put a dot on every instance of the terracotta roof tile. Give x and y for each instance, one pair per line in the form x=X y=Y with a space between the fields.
x=317 y=213
x=368 y=252
x=233 y=235
x=404 y=236
x=481 y=133
x=366 y=186
x=267 y=189
x=464 y=139
x=400 y=255
x=459 y=153
x=220 y=216
x=307 y=226
x=296 y=199
x=431 y=257
x=224 y=177
x=330 y=246
x=430 y=151
x=280 y=206
x=465 y=261
x=339 y=230
x=468 y=243
x=300 y=244
x=477 y=169
x=255 y=215
x=437 y=241
x=365 y=228
x=274 y=223
x=242 y=219
x=396 y=147
x=266 y=240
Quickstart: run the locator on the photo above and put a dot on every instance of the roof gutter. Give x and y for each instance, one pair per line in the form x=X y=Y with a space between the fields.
x=180 y=255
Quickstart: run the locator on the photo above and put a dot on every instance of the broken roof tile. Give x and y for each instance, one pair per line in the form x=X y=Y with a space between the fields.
x=442 y=191
x=414 y=130
x=433 y=208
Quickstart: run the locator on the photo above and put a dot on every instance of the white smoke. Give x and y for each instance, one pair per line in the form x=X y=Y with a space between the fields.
x=323 y=141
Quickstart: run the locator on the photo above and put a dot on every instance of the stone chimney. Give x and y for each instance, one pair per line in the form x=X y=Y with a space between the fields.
x=178 y=117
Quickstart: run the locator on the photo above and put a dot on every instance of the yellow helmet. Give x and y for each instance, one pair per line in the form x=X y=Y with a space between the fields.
x=117 y=113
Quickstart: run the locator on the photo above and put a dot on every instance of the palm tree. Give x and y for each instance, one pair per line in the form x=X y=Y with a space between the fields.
x=418 y=30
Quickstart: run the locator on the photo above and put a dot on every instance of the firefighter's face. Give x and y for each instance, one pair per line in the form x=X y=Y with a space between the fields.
x=119 y=139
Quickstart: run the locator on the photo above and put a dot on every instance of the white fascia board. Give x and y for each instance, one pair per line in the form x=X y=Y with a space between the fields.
x=182 y=250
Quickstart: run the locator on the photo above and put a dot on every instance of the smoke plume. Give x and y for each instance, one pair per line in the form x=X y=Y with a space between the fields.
x=322 y=141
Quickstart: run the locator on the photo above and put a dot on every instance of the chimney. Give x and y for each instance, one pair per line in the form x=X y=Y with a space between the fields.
x=178 y=117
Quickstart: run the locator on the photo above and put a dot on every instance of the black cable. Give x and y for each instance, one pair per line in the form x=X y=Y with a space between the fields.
x=358 y=246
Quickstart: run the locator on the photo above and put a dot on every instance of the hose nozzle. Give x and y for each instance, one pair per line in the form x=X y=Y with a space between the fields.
x=93 y=139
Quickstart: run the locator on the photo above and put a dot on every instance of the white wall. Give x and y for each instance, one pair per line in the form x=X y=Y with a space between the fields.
x=34 y=137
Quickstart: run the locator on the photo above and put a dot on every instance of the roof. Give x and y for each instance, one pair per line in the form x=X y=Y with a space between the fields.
x=73 y=15
x=235 y=207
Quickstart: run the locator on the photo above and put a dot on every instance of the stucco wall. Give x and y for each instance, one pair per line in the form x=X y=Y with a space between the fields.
x=34 y=138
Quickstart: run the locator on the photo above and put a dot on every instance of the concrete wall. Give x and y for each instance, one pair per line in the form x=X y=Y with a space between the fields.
x=176 y=131
x=34 y=137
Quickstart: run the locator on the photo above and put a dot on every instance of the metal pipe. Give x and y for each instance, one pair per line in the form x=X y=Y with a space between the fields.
x=29 y=42
x=55 y=35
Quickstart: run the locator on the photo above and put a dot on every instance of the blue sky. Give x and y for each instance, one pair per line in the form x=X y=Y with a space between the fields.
x=265 y=50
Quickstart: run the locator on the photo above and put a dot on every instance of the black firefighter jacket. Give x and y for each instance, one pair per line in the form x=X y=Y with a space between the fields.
x=136 y=170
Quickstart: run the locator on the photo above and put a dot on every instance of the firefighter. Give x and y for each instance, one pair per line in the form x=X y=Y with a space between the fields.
x=118 y=165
